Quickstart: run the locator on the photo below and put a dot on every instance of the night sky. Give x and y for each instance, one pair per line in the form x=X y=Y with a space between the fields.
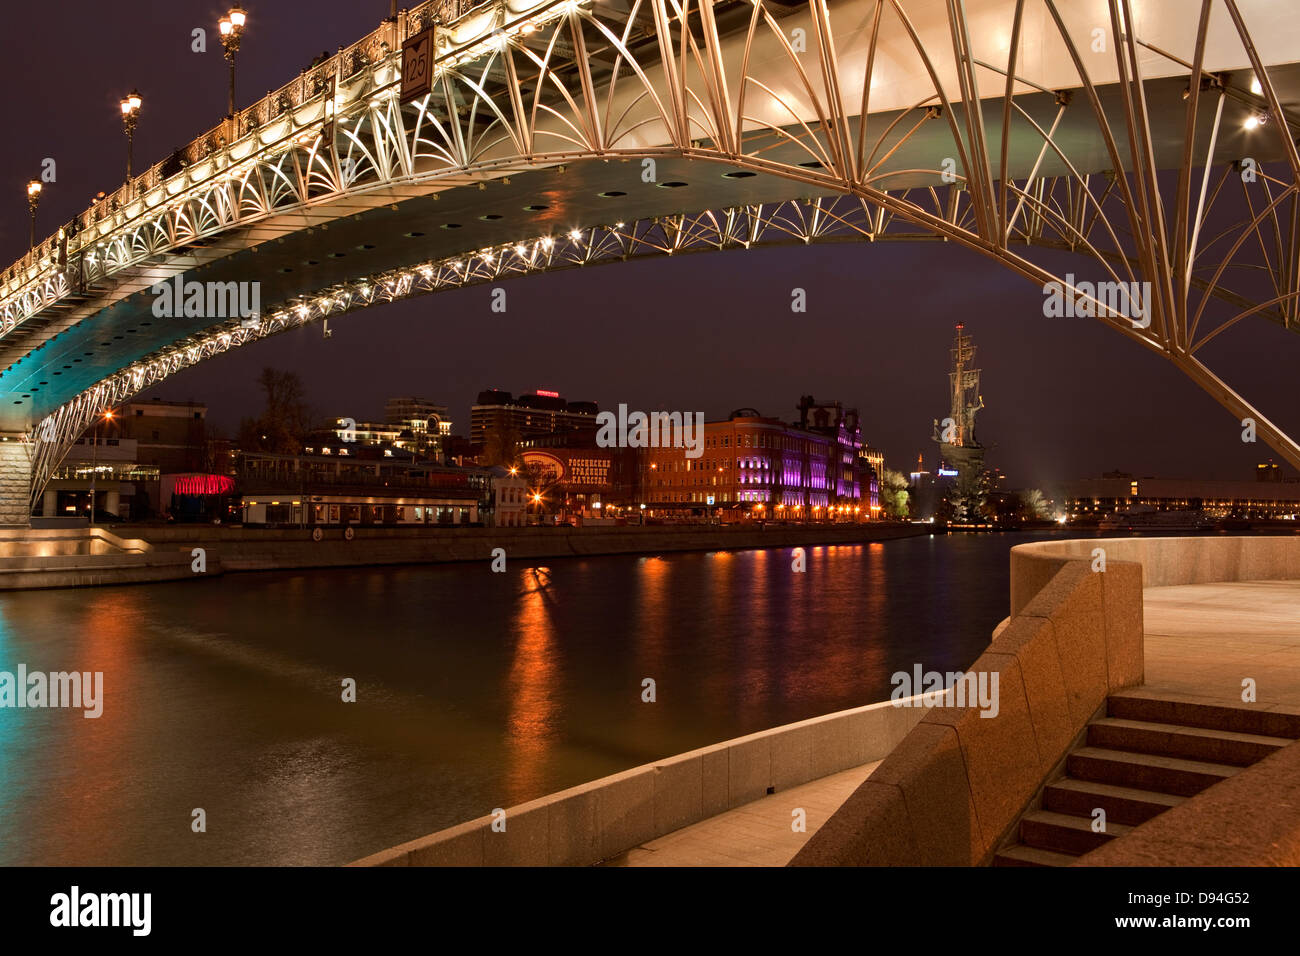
x=1066 y=398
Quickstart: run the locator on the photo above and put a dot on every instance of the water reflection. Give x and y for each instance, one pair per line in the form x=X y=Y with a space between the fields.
x=475 y=689
x=532 y=688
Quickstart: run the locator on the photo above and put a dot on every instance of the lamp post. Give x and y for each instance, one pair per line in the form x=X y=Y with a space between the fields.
x=232 y=28
x=130 y=113
x=33 y=200
x=94 y=461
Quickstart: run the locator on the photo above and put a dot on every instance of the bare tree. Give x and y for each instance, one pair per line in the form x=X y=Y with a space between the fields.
x=286 y=420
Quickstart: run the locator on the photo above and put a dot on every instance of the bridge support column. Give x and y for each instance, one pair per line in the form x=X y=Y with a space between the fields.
x=15 y=482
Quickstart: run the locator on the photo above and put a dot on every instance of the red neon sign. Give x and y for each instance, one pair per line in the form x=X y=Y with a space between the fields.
x=547 y=394
x=204 y=485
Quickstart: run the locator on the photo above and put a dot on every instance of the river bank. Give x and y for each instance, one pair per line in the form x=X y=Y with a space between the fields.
x=256 y=549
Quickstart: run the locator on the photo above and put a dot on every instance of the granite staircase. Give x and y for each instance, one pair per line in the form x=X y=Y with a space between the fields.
x=1148 y=754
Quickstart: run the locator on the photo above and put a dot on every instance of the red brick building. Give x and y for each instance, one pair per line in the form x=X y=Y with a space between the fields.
x=750 y=466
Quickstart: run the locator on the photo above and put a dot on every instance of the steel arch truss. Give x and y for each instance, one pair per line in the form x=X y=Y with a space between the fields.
x=521 y=86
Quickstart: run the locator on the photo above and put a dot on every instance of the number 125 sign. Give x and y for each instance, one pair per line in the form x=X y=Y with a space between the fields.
x=417 y=66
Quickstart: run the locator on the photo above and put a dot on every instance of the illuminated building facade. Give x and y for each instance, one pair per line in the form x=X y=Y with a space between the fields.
x=422 y=425
x=110 y=466
x=574 y=476
x=509 y=498
x=309 y=490
x=543 y=412
x=418 y=414
x=1095 y=498
x=764 y=467
x=169 y=436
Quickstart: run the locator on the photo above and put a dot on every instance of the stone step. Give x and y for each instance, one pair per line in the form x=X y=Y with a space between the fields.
x=1146 y=771
x=1124 y=805
x=1162 y=708
x=1020 y=855
x=1062 y=833
x=1191 y=743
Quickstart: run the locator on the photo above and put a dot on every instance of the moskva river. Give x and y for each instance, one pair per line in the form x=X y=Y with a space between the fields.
x=473 y=690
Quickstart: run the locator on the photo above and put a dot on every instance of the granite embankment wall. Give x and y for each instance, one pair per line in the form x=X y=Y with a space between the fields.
x=601 y=819
x=1165 y=562
x=79 y=557
x=239 y=549
x=954 y=788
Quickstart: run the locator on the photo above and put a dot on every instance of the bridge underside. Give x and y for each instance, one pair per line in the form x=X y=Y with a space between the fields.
x=384 y=228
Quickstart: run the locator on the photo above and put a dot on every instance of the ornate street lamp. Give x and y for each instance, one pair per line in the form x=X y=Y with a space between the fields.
x=232 y=28
x=33 y=200
x=130 y=113
x=94 y=460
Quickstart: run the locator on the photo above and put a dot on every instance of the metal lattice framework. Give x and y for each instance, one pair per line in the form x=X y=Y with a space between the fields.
x=764 y=88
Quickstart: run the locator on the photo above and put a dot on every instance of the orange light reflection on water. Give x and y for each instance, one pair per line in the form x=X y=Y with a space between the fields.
x=532 y=687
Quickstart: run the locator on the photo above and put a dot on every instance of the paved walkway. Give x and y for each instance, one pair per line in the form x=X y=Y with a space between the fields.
x=1202 y=640
x=757 y=834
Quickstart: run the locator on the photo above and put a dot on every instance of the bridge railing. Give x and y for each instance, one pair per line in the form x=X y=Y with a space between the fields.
x=310 y=83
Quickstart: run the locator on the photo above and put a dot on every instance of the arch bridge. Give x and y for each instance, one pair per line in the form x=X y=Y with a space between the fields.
x=1155 y=139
